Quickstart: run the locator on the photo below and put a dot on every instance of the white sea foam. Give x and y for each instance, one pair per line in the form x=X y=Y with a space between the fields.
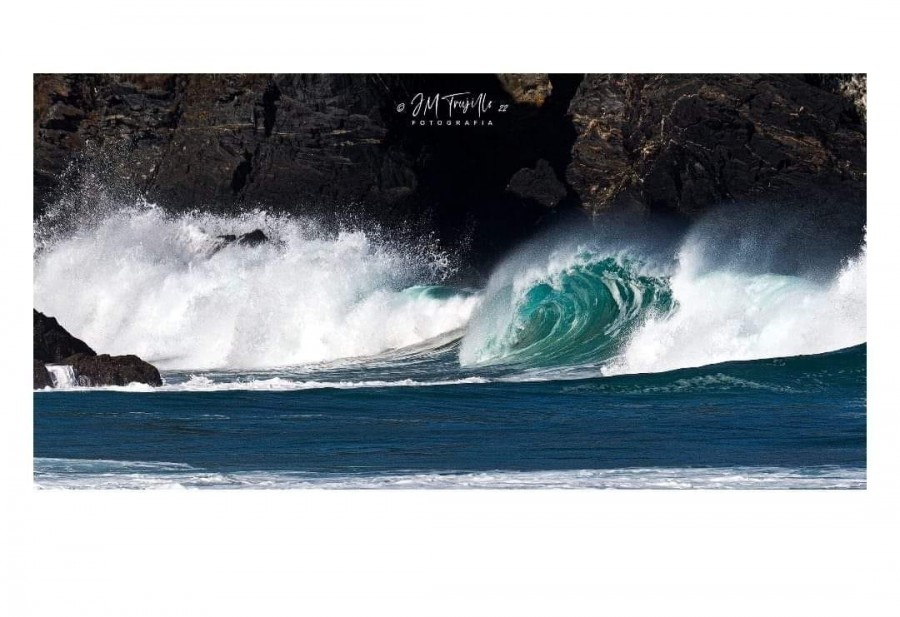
x=62 y=375
x=138 y=281
x=724 y=315
x=85 y=474
x=202 y=383
x=719 y=312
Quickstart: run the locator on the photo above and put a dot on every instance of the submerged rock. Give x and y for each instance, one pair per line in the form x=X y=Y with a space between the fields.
x=41 y=376
x=106 y=370
x=252 y=238
x=52 y=343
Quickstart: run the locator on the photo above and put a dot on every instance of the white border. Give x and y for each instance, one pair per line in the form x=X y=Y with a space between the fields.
x=449 y=553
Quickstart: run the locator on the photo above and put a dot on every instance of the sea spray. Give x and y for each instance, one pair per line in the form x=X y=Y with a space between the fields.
x=161 y=286
x=726 y=315
x=137 y=280
x=574 y=306
x=614 y=308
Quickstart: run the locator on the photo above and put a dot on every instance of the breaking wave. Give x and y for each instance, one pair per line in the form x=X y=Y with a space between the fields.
x=169 y=289
x=586 y=304
x=173 y=290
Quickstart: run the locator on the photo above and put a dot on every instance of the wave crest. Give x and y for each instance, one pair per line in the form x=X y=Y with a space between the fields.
x=164 y=287
x=575 y=309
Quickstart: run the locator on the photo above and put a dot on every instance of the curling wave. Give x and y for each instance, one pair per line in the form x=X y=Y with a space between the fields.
x=167 y=288
x=575 y=308
x=586 y=305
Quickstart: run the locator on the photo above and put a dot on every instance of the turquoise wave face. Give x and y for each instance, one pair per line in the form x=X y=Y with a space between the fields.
x=582 y=313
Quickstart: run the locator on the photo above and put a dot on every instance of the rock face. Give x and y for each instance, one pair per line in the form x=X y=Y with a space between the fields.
x=531 y=88
x=41 y=376
x=106 y=370
x=685 y=143
x=54 y=345
x=333 y=147
x=336 y=147
x=219 y=140
x=539 y=184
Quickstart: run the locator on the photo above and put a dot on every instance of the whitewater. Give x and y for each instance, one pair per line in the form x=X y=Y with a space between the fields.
x=165 y=288
x=599 y=357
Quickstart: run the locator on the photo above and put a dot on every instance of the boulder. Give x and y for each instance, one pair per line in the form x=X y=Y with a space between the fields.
x=106 y=370
x=253 y=238
x=54 y=345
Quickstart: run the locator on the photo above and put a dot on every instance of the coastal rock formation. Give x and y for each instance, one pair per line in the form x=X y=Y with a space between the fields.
x=215 y=141
x=252 y=238
x=106 y=370
x=333 y=147
x=346 y=150
x=41 y=376
x=531 y=88
x=685 y=143
x=539 y=183
x=54 y=345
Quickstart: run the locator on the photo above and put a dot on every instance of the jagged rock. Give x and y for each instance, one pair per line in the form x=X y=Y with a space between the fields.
x=253 y=238
x=221 y=140
x=41 y=376
x=52 y=343
x=854 y=88
x=531 y=88
x=335 y=147
x=106 y=370
x=539 y=183
x=331 y=147
x=685 y=143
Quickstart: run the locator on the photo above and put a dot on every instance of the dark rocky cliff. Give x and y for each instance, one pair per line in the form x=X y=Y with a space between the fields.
x=336 y=147
x=685 y=143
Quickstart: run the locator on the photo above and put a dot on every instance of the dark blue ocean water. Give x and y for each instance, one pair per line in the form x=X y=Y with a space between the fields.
x=791 y=422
